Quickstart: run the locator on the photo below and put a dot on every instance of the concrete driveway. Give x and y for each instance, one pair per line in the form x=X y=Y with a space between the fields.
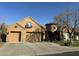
x=34 y=49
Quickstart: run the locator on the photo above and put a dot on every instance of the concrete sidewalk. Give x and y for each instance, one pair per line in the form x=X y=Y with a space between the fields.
x=33 y=49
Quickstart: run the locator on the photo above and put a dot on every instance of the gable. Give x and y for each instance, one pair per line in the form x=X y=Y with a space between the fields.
x=27 y=20
x=21 y=25
x=14 y=27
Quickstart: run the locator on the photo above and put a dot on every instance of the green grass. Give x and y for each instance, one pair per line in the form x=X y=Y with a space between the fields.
x=76 y=43
x=61 y=42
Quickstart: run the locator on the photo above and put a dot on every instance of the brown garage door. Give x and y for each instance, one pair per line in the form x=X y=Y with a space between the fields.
x=16 y=36
x=35 y=36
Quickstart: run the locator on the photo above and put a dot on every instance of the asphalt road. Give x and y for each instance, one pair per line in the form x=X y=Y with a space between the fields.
x=73 y=53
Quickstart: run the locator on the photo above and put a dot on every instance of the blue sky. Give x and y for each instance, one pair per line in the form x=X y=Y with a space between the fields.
x=41 y=12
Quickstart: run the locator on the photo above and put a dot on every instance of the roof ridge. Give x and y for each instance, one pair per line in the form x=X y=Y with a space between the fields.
x=35 y=21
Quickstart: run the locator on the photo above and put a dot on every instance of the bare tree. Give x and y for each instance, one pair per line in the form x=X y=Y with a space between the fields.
x=4 y=28
x=70 y=19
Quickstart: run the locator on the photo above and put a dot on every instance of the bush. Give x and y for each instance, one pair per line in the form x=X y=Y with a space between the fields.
x=67 y=43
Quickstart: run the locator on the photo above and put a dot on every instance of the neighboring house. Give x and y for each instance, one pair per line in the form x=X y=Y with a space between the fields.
x=52 y=32
x=51 y=27
x=76 y=34
x=26 y=30
x=56 y=32
x=65 y=34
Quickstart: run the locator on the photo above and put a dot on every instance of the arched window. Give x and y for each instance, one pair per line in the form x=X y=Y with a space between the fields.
x=28 y=25
x=54 y=27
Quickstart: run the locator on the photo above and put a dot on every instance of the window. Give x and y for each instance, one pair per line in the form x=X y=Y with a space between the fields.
x=28 y=25
x=54 y=27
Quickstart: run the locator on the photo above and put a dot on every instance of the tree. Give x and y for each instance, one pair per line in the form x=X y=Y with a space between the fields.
x=4 y=28
x=70 y=19
x=3 y=32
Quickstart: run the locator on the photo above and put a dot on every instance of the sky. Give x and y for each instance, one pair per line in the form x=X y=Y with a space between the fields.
x=41 y=12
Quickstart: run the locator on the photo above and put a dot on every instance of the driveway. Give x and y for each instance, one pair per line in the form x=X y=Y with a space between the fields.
x=34 y=49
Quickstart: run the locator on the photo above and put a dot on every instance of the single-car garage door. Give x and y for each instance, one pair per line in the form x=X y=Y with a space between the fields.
x=15 y=37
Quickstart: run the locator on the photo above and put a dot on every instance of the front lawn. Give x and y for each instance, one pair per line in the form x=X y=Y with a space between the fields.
x=76 y=43
x=61 y=42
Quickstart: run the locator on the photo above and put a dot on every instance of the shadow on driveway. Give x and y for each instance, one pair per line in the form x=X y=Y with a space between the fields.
x=73 y=53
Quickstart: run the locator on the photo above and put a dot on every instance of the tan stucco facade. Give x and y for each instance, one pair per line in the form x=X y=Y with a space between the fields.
x=19 y=33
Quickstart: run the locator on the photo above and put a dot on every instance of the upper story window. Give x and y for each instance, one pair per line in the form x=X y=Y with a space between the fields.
x=54 y=27
x=28 y=25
